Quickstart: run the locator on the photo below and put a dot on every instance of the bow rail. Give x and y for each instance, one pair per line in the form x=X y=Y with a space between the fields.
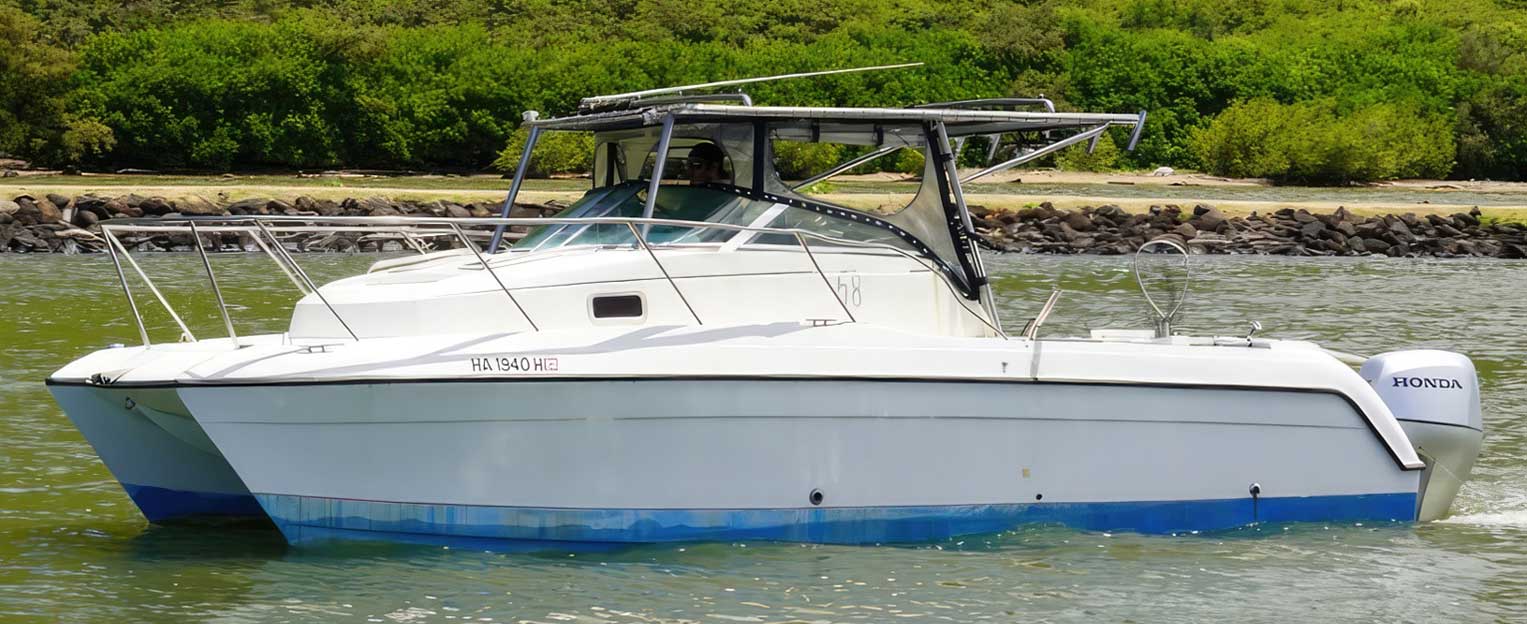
x=265 y=232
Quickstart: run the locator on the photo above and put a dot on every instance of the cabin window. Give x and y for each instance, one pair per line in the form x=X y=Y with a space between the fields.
x=618 y=306
x=695 y=161
x=806 y=152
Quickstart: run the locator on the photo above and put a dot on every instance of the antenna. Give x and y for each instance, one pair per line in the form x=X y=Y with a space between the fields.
x=591 y=102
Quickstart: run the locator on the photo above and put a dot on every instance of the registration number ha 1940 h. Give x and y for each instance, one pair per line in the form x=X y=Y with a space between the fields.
x=514 y=364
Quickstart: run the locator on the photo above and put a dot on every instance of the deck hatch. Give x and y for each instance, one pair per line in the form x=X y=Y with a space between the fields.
x=617 y=306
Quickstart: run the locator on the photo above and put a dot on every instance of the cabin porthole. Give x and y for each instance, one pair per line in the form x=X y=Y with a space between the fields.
x=816 y=497
x=1039 y=497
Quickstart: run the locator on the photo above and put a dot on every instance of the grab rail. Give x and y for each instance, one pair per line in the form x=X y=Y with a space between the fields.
x=266 y=227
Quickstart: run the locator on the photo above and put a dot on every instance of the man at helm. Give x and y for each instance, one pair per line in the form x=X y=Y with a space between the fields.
x=706 y=163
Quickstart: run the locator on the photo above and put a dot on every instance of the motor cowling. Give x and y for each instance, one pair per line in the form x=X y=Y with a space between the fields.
x=1435 y=396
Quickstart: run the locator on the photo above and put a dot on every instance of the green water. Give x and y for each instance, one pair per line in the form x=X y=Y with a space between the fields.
x=73 y=548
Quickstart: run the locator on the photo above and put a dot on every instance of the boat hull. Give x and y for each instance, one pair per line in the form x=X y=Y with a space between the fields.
x=652 y=460
x=306 y=519
x=157 y=452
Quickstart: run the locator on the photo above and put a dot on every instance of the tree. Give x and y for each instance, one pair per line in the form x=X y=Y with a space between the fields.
x=35 y=78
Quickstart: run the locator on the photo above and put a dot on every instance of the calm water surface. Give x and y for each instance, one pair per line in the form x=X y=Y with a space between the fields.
x=73 y=547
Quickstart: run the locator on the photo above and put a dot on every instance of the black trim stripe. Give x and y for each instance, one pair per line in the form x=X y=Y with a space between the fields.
x=853 y=216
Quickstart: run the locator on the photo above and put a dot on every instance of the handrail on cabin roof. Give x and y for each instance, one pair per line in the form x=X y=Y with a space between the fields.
x=954 y=118
x=636 y=96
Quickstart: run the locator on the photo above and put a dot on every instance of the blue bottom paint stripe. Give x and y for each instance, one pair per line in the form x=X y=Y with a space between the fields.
x=162 y=504
x=304 y=519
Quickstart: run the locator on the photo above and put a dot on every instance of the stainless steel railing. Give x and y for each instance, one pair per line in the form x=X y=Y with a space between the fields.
x=264 y=231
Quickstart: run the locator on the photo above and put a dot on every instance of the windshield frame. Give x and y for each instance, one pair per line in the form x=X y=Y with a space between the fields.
x=937 y=214
x=600 y=199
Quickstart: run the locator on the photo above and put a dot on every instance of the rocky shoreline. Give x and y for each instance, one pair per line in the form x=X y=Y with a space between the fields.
x=1107 y=229
x=64 y=224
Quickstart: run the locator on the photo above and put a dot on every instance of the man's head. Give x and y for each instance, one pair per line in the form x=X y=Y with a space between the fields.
x=706 y=164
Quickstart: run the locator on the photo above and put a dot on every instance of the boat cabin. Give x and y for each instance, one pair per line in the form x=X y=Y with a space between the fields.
x=688 y=221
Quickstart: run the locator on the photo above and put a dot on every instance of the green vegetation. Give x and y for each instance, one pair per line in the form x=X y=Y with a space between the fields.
x=34 y=117
x=1295 y=90
x=1315 y=142
x=800 y=160
x=555 y=152
x=1104 y=157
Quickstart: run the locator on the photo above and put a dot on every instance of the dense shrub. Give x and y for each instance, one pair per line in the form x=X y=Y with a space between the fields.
x=34 y=80
x=1314 y=142
x=304 y=91
x=1076 y=158
x=213 y=94
x=442 y=83
x=1492 y=132
x=555 y=152
x=907 y=161
x=798 y=161
x=436 y=95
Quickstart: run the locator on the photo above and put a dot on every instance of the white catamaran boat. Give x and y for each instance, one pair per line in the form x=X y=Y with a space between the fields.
x=718 y=355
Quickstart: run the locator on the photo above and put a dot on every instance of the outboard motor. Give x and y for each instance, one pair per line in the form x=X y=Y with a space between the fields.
x=1435 y=396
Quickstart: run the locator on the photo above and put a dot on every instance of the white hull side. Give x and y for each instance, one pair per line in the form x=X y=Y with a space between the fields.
x=653 y=460
x=159 y=454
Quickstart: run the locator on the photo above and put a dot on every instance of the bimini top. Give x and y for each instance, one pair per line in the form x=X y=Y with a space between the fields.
x=643 y=141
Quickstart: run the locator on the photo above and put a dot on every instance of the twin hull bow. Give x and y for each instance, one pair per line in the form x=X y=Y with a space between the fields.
x=762 y=433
